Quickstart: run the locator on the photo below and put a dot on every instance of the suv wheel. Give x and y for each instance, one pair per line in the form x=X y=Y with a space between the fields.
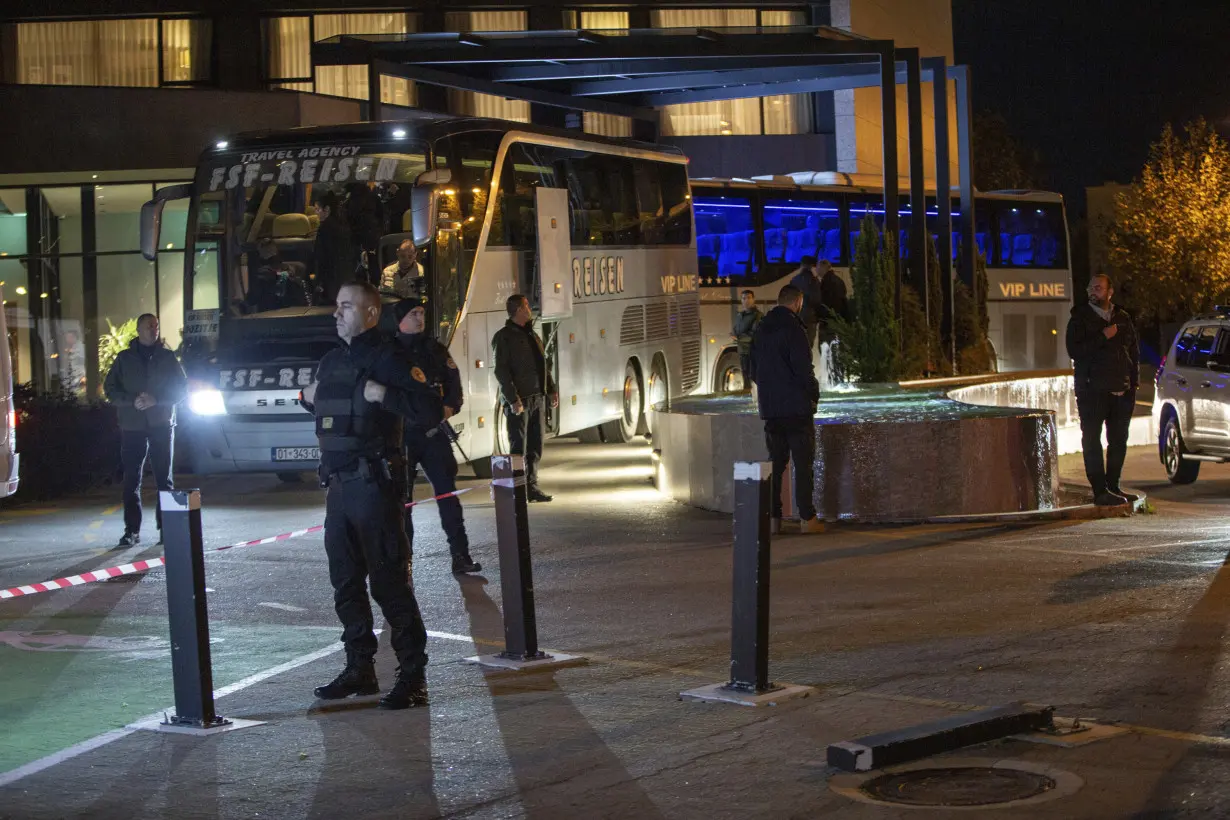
x=1178 y=469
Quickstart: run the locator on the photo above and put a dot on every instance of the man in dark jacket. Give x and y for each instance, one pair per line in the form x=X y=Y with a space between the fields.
x=807 y=282
x=525 y=385
x=334 y=250
x=364 y=389
x=145 y=383
x=746 y=321
x=1102 y=343
x=430 y=446
x=833 y=299
x=788 y=391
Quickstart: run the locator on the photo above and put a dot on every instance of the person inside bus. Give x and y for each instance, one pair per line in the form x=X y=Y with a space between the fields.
x=807 y=282
x=405 y=276
x=273 y=282
x=781 y=367
x=334 y=250
x=365 y=218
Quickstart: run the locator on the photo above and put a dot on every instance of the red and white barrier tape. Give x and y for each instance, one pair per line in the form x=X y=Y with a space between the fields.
x=152 y=563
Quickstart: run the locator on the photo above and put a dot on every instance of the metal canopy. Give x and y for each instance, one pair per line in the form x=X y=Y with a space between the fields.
x=633 y=72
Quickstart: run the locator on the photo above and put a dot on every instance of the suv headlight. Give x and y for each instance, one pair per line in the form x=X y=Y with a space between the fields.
x=206 y=401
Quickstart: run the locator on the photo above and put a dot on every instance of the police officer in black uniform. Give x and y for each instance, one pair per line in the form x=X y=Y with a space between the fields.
x=363 y=390
x=430 y=446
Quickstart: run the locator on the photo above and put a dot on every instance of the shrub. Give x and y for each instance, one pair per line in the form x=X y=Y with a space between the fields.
x=111 y=343
x=66 y=445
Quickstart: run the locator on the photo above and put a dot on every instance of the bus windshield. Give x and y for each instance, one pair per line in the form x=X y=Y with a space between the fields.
x=288 y=226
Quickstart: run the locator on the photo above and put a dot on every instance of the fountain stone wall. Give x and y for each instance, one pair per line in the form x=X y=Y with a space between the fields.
x=882 y=454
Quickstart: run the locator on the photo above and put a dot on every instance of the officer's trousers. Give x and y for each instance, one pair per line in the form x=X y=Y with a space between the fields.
x=435 y=453
x=365 y=542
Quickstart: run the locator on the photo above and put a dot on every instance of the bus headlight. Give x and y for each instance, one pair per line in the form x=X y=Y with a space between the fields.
x=206 y=402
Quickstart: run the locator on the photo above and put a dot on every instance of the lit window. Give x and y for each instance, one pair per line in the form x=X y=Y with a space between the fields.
x=113 y=52
x=779 y=114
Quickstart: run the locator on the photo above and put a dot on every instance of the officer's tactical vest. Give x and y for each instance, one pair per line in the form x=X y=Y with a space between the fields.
x=345 y=421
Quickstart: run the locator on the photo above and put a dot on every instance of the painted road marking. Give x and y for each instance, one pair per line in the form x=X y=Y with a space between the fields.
x=115 y=734
x=96 y=524
x=283 y=607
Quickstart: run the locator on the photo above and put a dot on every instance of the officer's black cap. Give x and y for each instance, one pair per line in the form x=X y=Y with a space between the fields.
x=405 y=306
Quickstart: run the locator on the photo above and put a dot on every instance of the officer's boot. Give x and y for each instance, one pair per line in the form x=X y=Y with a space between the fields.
x=409 y=690
x=358 y=678
x=463 y=563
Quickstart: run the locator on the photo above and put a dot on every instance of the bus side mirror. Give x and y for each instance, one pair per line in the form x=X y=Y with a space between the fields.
x=151 y=217
x=423 y=213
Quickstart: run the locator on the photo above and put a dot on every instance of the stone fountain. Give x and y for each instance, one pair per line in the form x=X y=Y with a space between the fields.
x=883 y=453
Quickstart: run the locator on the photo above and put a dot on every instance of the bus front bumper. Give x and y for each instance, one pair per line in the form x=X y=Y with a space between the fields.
x=233 y=444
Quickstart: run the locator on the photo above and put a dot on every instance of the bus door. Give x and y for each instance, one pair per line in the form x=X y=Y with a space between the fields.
x=550 y=344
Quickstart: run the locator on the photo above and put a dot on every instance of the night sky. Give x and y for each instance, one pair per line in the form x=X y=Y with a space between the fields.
x=1090 y=83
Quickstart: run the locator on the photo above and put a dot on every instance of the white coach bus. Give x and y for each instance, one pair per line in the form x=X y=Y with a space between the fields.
x=751 y=234
x=597 y=232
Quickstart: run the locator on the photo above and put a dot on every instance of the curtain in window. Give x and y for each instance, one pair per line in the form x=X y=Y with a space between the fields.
x=597 y=20
x=724 y=117
x=186 y=50
x=89 y=52
x=290 y=44
x=485 y=105
x=351 y=80
x=786 y=113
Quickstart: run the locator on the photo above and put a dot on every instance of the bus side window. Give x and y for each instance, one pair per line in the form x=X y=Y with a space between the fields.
x=1031 y=235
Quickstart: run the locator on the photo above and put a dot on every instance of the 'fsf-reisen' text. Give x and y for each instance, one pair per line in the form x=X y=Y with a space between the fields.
x=304 y=166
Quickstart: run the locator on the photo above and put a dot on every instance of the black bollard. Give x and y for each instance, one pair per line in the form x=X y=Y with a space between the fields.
x=516 y=573
x=749 y=633
x=191 y=666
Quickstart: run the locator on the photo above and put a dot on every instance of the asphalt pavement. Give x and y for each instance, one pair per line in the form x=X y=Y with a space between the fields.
x=1120 y=621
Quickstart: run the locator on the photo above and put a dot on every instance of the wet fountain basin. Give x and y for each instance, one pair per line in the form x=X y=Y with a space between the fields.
x=883 y=453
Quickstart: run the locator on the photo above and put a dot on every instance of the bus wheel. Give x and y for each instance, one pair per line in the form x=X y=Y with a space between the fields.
x=658 y=392
x=729 y=377
x=633 y=403
x=590 y=435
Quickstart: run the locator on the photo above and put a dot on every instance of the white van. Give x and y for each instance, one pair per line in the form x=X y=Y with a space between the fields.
x=8 y=432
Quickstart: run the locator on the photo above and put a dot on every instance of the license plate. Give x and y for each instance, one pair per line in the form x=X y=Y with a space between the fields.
x=296 y=454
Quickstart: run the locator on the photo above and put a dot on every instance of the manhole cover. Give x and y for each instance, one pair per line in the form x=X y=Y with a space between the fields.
x=966 y=786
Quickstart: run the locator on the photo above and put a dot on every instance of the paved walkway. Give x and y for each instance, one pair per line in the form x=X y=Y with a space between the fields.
x=1116 y=620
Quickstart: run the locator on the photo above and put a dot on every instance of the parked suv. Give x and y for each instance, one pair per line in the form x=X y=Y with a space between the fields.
x=1191 y=405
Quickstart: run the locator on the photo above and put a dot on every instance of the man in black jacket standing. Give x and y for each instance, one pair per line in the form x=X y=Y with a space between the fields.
x=788 y=391
x=145 y=383
x=525 y=384
x=431 y=446
x=363 y=391
x=1102 y=343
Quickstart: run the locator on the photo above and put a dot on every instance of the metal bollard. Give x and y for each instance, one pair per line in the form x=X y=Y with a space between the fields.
x=749 y=633
x=516 y=573
x=191 y=666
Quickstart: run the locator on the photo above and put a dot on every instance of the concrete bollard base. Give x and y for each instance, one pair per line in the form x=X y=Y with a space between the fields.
x=722 y=693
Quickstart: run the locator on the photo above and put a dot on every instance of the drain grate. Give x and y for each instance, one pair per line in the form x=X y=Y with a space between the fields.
x=966 y=786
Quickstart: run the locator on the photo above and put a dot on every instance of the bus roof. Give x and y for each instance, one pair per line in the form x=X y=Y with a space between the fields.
x=420 y=125
x=835 y=181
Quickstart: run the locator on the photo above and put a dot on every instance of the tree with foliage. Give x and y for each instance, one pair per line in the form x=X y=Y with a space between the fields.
x=1170 y=237
x=1000 y=162
x=110 y=345
x=869 y=349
